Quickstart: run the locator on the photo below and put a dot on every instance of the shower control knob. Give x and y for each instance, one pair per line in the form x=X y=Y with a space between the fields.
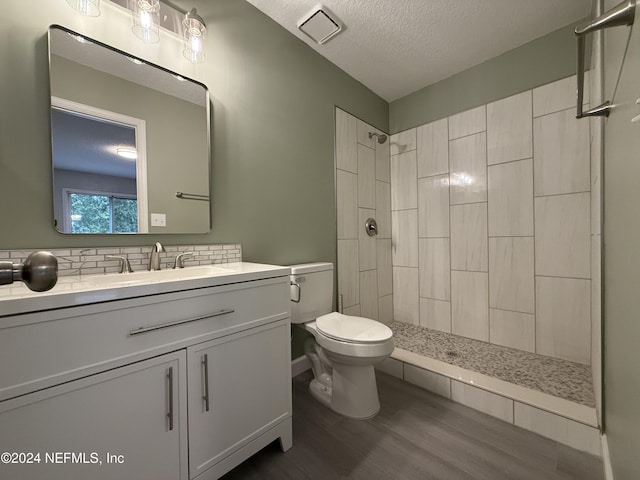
x=371 y=227
x=39 y=271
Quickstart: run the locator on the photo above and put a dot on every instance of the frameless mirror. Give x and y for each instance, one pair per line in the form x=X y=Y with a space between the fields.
x=130 y=142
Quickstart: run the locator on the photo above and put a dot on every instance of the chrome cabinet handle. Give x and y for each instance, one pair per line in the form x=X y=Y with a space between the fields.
x=170 y=413
x=205 y=397
x=152 y=328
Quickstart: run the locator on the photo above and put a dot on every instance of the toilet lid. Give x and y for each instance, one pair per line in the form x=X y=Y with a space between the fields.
x=348 y=328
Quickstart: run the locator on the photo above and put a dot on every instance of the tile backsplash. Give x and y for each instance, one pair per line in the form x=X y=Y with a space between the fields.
x=93 y=260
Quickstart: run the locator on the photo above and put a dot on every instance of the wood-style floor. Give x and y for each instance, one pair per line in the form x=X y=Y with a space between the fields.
x=416 y=435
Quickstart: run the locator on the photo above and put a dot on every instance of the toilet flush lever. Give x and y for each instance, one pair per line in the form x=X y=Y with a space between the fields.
x=295 y=291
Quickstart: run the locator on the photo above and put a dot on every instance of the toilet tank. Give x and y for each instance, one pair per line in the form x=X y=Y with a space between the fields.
x=315 y=292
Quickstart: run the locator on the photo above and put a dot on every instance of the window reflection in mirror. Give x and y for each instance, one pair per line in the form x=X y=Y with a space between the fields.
x=126 y=137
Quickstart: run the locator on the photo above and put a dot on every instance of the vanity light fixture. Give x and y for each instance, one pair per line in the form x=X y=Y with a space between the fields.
x=146 y=19
x=129 y=153
x=194 y=32
x=149 y=16
x=91 y=8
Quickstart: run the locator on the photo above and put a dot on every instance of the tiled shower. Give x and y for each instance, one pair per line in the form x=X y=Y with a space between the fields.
x=363 y=191
x=488 y=220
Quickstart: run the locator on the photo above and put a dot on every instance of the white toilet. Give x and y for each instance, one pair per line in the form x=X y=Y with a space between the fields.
x=344 y=348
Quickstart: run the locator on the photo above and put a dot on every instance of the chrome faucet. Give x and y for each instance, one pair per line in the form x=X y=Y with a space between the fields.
x=125 y=265
x=179 y=261
x=154 y=258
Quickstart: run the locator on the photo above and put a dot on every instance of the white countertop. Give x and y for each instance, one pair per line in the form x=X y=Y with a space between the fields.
x=77 y=290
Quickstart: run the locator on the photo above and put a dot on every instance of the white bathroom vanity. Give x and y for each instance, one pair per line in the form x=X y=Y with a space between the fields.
x=151 y=375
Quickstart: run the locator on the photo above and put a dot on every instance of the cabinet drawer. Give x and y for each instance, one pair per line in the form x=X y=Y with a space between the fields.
x=46 y=348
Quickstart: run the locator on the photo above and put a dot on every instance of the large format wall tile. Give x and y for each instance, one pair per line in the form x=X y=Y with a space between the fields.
x=366 y=177
x=383 y=168
x=402 y=142
x=435 y=268
x=596 y=129
x=383 y=209
x=511 y=274
x=469 y=237
x=561 y=160
x=512 y=329
x=509 y=132
x=435 y=314
x=352 y=310
x=438 y=384
x=512 y=189
x=348 y=272
x=487 y=402
x=385 y=309
x=392 y=367
x=383 y=266
x=556 y=96
x=563 y=322
x=404 y=181
x=596 y=319
x=468 y=122
x=366 y=244
x=433 y=148
x=369 y=294
x=363 y=134
x=346 y=141
x=511 y=199
x=563 y=244
x=405 y=295
x=468 y=169
x=469 y=305
x=405 y=242
x=560 y=429
x=433 y=206
x=347 y=199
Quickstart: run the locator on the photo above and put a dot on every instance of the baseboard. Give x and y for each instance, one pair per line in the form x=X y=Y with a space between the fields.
x=299 y=365
x=606 y=460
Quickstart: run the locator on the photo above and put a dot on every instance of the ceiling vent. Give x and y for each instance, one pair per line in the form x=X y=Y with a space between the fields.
x=320 y=26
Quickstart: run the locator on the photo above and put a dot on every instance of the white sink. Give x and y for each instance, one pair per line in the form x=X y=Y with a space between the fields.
x=155 y=276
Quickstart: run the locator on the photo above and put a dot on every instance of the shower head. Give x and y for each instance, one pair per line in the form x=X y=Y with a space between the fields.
x=380 y=136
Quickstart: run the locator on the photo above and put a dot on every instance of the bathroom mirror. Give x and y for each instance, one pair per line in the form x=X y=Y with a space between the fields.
x=130 y=142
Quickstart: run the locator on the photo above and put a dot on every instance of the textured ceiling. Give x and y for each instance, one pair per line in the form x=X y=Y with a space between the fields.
x=396 y=47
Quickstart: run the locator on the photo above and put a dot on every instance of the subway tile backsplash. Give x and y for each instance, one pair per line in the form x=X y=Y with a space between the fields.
x=94 y=261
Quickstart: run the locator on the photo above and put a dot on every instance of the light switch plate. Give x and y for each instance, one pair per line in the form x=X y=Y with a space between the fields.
x=158 y=220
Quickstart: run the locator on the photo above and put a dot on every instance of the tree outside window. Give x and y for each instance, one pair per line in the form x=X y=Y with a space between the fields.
x=102 y=213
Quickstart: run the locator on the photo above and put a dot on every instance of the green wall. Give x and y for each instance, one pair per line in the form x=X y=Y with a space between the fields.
x=621 y=256
x=540 y=61
x=273 y=103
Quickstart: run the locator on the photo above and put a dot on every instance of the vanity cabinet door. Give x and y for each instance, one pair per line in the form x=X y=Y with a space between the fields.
x=239 y=388
x=129 y=422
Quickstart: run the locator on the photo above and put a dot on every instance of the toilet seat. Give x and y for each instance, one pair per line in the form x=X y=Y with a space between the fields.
x=352 y=329
x=349 y=347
